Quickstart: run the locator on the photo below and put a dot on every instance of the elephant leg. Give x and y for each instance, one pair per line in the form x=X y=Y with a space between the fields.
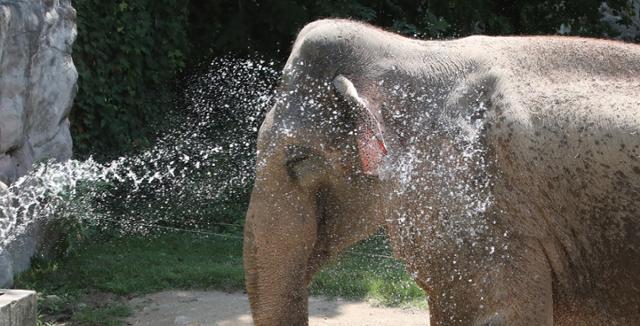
x=522 y=292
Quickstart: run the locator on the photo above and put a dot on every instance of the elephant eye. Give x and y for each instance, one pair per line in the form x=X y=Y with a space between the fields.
x=292 y=164
x=295 y=156
x=295 y=159
x=292 y=161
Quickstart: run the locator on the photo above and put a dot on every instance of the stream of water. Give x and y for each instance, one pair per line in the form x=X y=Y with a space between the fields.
x=194 y=168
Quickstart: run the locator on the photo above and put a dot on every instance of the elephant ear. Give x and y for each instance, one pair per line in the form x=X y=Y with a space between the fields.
x=370 y=130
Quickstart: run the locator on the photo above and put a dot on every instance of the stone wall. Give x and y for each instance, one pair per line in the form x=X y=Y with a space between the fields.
x=37 y=83
x=37 y=87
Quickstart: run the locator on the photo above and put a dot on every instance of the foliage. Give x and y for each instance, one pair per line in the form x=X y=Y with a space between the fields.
x=269 y=26
x=127 y=53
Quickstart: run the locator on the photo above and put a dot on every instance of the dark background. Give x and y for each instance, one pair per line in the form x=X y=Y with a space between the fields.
x=134 y=55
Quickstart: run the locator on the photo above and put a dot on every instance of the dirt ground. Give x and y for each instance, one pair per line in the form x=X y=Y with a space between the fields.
x=203 y=308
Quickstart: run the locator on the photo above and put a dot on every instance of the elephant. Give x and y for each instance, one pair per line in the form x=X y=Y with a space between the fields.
x=505 y=171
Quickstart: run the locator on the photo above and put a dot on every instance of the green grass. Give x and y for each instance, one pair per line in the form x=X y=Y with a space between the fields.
x=133 y=265
x=138 y=265
x=364 y=272
x=109 y=315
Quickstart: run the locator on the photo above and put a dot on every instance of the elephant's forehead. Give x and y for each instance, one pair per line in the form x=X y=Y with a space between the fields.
x=295 y=132
x=304 y=121
x=292 y=131
x=305 y=113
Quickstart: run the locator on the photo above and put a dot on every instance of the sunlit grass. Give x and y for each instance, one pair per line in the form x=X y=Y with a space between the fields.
x=134 y=265
x=365 y=272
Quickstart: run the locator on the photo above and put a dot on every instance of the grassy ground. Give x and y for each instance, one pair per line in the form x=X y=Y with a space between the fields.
x=90 y=286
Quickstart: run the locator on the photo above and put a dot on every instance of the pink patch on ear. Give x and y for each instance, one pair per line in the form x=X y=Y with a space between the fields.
x=372 y=150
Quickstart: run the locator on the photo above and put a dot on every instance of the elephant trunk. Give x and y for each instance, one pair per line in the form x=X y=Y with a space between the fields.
x=275 y=263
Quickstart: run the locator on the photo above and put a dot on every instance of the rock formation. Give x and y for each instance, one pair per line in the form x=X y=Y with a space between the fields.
x=37 y=87
x=37 y=83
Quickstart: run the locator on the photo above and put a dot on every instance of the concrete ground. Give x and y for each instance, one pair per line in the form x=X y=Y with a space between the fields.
x=203 y=308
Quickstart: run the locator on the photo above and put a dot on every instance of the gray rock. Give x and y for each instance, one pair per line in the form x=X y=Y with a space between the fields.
x=6 y=271
x=16 y=256
x=37 y=83
x=37 y=87
x=182 y=321
x=7 y=168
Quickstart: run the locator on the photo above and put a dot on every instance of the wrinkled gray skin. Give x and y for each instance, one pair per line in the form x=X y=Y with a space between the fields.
x=511 y=187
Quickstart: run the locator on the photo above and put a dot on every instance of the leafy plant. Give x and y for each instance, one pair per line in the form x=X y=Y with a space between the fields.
x=127 y=53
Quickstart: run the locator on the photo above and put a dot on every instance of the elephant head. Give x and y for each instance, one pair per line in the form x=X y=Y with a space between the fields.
x=335 y=157
x=322 y=171
x=316 y=192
